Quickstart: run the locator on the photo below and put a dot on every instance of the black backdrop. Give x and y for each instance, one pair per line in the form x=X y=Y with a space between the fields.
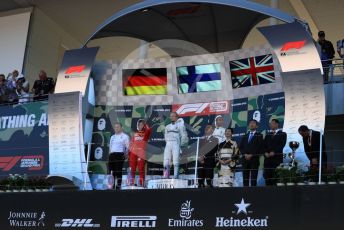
x=299 y=207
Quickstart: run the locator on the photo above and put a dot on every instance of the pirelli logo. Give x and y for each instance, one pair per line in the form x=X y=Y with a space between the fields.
x=133 y=221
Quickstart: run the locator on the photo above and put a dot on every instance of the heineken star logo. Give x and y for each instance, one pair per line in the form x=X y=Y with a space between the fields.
x=242 y=206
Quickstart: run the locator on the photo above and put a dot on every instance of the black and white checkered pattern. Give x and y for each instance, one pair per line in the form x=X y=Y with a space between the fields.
x=102 y=182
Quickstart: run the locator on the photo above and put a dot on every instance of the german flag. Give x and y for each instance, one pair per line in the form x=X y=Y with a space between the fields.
x=145 y=81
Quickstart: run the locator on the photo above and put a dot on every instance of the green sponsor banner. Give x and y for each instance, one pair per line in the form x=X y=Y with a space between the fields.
x=24 y=142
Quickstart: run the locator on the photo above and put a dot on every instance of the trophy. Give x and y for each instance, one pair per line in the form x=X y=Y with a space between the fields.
x=293 y=145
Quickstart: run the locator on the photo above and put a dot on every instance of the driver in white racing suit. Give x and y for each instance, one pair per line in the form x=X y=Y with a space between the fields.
x=219 y=131
x=175 y=137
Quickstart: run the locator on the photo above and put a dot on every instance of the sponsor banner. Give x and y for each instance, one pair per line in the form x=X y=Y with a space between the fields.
x=133 y=221
x=292 y=45
x=75 y=70
x=208 y=209
x=76 y=223
x=185 y=217
x=25 y=220
x=242 y=216
x=24 y=143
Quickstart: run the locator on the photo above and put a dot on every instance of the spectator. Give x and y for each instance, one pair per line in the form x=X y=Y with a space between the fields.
x=43 y=86
x=3 y=89
x=11 y=86
x=326 y=55
x=22 y=89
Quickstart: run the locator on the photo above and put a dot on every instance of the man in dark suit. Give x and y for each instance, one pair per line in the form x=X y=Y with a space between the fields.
x=251 y=147
x=207 y=152
x=274 y=143
x=311 y=142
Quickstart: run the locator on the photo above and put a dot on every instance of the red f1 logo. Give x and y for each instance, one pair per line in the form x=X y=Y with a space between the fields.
x=75 y=69
x=31 y=163
x=7 y=163
x=293 y=45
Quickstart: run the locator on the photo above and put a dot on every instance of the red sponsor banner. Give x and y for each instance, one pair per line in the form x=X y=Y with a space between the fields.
x=201 y=109
x=31 y=163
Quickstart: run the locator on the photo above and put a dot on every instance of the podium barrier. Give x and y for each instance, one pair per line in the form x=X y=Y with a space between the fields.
x=167 y=184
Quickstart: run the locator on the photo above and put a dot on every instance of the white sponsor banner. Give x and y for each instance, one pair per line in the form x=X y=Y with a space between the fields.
x=66 y=146
x=304 y=105
x=293 y=46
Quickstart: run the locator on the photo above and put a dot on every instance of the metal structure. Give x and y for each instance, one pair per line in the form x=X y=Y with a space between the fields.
x=217 y=25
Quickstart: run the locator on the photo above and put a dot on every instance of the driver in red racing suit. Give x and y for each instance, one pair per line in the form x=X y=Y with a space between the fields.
x=137 y=152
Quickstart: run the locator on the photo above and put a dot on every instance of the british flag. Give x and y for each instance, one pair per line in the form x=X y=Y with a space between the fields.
x=252 y=71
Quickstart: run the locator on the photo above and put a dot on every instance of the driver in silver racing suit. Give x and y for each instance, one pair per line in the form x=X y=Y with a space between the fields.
x=175 y=137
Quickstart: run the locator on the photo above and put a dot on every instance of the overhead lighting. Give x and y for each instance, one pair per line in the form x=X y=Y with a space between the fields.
x=145 y=10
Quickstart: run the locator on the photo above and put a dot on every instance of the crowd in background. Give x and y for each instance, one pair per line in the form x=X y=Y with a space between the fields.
x=15 y=88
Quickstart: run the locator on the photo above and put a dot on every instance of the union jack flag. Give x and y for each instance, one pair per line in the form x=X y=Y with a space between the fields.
x=252 y=71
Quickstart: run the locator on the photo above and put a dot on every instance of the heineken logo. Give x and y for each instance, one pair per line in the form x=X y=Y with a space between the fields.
x=242 y=217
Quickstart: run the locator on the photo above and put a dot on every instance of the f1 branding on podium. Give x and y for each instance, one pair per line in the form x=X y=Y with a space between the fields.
x=237 y=221
x=197 y=109
x=291 y=48
x=74 y=71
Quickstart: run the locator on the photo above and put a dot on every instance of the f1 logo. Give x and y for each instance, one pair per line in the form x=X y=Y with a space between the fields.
x=205 y=108
x=7 y=163
x=189 y=108
x=297 y=45
x=31 y=163
x=75 y=69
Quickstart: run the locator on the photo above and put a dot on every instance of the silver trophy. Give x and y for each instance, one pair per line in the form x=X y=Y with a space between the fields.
x=294 y=145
